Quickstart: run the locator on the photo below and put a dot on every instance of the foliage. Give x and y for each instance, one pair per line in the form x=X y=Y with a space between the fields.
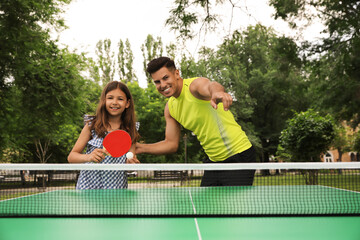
x=282 y=155
x=152 y=48
x=106 y=60
x=125 y=62
x=357 y=142
x=343 y=139
x=307 y=135
x=105 y=67
x=334 y=89
x=270 y=69
x=42 y=84
x=335 y=60
x=186 y=14
x=21 y=37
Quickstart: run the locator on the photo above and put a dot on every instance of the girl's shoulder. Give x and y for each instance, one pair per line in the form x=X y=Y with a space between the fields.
x=88 y=119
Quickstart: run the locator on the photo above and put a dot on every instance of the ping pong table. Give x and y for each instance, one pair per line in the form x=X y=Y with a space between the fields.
x=191 y=203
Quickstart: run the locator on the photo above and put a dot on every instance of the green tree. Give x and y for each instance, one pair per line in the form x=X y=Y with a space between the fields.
x=22 y=35
x=152 y=48
x=282 y=155
x=306 y=137
x=333 y=89
x=272 y=72
x=188 y=14
x=342 y=140
x=67 y=133
x=93 y=70
x=171 y=50
x=106 y=60
x=203 y=67
x=336 y=73
x=41 y=86
x=125 y=62
x=50 y=97
x=356 y=146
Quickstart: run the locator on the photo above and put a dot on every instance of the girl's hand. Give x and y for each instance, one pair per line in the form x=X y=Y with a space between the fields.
x=97 y=155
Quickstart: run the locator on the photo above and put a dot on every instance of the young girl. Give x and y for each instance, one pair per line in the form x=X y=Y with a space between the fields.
x=115 y=111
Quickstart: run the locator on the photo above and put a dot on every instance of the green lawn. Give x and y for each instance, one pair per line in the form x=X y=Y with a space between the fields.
x=349 y=182
x=332 y=179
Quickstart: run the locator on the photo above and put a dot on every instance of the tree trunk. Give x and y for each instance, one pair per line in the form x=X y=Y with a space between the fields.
x=265 y=158
x=22 y=176
x=340 y=159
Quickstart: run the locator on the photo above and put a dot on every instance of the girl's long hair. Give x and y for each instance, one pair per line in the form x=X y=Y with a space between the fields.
x=128 y=120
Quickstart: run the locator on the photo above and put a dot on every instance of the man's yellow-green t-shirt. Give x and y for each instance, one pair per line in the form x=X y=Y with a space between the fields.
x=216 y=129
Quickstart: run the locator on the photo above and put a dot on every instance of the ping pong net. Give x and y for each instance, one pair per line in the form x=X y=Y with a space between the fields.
x=173 y=190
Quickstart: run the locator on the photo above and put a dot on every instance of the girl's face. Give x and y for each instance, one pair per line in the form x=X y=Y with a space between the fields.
x=116 y=102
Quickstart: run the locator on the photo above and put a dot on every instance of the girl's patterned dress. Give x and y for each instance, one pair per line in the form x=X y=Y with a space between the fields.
x=101 y=179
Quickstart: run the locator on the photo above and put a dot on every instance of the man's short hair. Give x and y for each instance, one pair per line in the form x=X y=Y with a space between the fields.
x=157 y=63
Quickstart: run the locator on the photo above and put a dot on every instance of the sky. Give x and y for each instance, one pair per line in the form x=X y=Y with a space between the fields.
x=89 y=21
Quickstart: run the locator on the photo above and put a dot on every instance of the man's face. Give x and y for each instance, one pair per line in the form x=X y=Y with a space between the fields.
x=167 y=82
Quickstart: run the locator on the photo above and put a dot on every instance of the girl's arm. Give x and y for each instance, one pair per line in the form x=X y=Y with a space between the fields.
x=77 y=156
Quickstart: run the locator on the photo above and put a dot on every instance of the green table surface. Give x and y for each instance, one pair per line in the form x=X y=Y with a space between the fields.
x=241 y=200
x=274 y=228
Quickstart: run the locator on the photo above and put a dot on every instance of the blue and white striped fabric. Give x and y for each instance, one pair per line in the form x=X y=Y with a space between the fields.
x=102 y=179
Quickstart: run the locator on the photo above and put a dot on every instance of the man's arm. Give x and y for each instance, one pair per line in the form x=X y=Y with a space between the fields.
x=203 y=88
x=171 y=142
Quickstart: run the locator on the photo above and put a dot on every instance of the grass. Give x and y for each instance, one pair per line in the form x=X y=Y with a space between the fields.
x=15 y=195
x=343 y=181
x=17 y=185
x=348 y=181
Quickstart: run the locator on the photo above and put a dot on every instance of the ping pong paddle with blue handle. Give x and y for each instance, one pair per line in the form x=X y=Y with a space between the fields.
x=117 y=143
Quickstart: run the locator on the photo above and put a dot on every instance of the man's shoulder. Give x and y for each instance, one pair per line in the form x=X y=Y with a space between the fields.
x=188 y=81
x=170 y=103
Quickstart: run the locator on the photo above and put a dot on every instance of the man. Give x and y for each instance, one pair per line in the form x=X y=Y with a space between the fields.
x=202 y=106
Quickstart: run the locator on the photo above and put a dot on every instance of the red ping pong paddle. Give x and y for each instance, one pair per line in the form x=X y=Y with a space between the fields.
x=117 y=143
